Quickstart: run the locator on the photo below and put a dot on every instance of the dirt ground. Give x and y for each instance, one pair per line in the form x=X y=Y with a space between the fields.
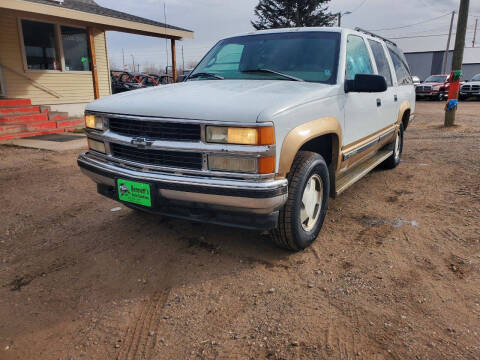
x=395 y=273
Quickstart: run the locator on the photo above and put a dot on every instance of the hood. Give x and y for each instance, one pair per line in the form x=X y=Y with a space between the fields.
x=432 y=84
x=215 y=100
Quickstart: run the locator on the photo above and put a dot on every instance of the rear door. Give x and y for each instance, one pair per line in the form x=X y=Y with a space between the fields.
x=360 y=108
x=405 y=87
x=389 y=107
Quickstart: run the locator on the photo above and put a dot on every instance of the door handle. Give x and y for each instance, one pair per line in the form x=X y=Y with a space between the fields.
x=379 y=102
x=395 y=97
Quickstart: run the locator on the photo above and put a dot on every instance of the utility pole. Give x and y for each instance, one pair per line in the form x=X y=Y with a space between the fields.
x=166 y=40
x=183 y=61
x=445 y=56
x=133 y=62
x=458 y=53
x=475 y=33
x=339 y=16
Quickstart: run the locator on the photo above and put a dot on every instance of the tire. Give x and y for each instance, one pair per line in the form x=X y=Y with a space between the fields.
x=397 y=147
x=309 y=176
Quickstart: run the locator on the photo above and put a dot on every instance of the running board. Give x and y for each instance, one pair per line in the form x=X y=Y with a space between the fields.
x=354 y=174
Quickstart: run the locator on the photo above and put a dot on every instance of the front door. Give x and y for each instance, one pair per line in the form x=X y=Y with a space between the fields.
x=361 y=119
x=2 y=84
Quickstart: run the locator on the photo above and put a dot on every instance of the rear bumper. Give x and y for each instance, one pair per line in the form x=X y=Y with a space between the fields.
x=250 y=204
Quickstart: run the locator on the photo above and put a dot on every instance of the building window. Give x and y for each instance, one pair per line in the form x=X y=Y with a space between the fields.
x=75 y=48
x=55 y=47
x=40 y=43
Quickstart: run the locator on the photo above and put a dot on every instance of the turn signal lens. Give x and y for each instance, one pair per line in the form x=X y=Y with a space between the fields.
x=266 y=165
x=93 y=122
x=240 y=136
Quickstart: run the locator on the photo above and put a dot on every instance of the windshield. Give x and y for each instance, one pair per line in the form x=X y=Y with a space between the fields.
x=476 y=78
x=309 y=56
x=436 y=79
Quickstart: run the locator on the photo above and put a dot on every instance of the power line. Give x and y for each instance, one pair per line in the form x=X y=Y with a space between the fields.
x=421 y=36
x=358 y=7
x=419 y=23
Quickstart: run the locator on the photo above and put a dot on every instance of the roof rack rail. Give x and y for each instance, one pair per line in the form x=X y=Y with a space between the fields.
x=375 y=35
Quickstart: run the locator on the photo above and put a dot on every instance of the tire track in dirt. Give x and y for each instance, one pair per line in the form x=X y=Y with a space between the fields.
x=140 y=340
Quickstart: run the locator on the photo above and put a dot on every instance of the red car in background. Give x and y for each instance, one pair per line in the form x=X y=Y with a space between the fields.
x=435 y=87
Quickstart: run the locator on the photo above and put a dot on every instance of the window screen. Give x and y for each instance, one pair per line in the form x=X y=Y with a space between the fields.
x=75 y=49
x=40 y=45
x=358 y=58
x=381 y=61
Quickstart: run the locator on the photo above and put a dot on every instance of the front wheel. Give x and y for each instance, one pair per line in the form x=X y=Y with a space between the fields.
x=301 y=218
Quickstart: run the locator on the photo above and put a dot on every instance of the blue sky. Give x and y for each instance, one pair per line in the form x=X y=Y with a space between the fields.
x=212 y=20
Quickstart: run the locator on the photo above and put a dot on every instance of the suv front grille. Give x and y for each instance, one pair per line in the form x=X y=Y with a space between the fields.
x=175 y=159
x=156 y=130
x=424 y=88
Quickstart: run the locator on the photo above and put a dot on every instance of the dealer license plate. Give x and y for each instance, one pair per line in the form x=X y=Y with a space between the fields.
x=134 y=192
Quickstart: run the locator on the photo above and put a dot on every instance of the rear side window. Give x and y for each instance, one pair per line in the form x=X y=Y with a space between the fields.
x=403 y=74
x=358 y=58
x=381 y=60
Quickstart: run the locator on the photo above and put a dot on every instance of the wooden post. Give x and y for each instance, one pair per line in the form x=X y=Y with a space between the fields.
x=93 y=63
x=174 y=61
x=458 y=52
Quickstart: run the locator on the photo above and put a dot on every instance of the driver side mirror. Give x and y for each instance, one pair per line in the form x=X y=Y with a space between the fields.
x=366 y=83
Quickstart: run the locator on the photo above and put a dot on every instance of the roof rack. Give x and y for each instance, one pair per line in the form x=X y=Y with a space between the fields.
x=375 y=35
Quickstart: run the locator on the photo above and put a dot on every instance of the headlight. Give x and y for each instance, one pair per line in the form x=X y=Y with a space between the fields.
x=96 y=146
x=94 y=122
x=240 y=136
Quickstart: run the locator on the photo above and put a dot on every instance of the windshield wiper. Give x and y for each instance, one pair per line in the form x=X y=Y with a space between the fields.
x=207 y=74
x=290 y=77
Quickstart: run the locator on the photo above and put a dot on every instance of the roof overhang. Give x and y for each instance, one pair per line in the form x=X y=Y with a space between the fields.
x=104 y=22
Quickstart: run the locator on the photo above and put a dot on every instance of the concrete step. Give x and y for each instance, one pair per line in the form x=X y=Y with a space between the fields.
x=19 y=110
x=351 y=176
x=57 y=116
x=47 y=125
x=15 y=102
x=71 y=123
x=23 y=119
x=28 y=134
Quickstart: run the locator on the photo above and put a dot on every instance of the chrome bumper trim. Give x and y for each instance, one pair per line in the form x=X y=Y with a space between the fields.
x=203 y=190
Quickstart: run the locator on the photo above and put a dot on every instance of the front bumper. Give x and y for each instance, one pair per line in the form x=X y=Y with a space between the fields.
x=249 y=204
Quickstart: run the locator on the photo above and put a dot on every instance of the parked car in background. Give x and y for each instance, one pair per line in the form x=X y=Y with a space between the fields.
x=416 y=80
x=471 y=89
x=125 y=81
x=257 y=137
x=434 y=87
x=162 y=79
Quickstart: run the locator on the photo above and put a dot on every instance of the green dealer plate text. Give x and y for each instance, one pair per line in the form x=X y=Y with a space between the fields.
x=134 y=192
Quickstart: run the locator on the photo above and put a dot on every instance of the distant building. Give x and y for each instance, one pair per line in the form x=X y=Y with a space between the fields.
x=425 y=63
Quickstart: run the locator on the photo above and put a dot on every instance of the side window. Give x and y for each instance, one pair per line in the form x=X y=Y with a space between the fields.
x=403 y=75
x=358 y=58
x=381 y=61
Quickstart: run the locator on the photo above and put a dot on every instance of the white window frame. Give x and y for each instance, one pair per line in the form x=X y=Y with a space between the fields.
x=59 y=43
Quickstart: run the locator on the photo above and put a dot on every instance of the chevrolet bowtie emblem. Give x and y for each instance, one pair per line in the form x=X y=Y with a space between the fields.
x=141 y=142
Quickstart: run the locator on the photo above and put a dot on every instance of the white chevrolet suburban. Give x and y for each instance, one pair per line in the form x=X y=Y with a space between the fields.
x=263 y=131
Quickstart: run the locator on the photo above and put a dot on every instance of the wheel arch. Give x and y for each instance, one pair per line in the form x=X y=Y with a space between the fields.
x=404 y=114
x=323 y=136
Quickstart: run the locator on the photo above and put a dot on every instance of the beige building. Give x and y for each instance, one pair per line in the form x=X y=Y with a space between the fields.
x=54 y=52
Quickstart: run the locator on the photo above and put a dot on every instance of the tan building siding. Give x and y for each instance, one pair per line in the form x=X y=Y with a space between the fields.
x=70 y=87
